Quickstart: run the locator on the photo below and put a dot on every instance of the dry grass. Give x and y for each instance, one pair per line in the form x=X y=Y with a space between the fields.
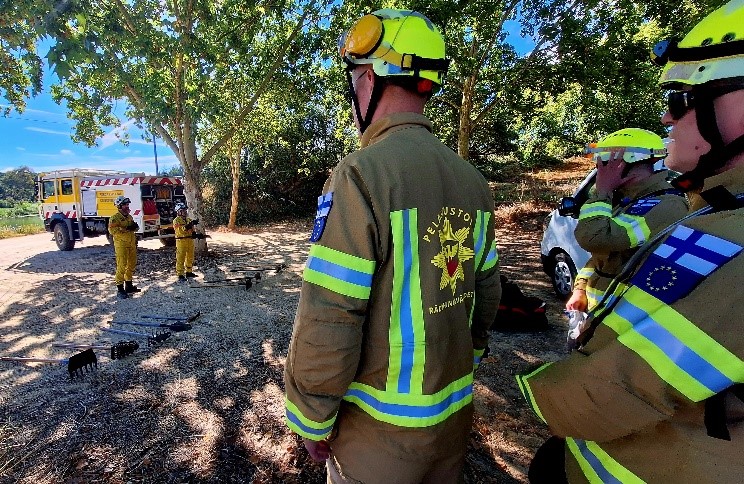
x=207 y=405
x=526 y=199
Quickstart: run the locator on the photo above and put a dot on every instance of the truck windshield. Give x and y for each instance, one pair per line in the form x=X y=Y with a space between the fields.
x=47 y=189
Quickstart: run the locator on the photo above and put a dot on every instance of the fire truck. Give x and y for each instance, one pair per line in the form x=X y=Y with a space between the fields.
x=78 y=203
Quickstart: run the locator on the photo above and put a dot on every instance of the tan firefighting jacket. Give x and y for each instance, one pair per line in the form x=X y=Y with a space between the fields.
x=399 y=289
x=179 y=227
x=652 y=396
x=613 y=232
x=117 y=227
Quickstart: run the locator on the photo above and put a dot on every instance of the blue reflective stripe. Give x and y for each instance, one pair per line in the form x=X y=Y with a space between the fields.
x=492 y=255
x=339 y=272
x=593 y=461
x=319 y=432
x=689 y=361
x=401 y=410
x=481 y=234
x=408 y=339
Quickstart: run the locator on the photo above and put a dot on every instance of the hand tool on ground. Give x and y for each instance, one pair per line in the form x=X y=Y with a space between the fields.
x=152 y=339
x=118 y=350
x=260 y=267
x=246 y=282
x=184 y=319
x=82 y=362
x=175 y=327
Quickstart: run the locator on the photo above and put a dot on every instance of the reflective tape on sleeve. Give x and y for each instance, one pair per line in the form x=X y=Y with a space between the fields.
x=304 y=426
x=339 y=272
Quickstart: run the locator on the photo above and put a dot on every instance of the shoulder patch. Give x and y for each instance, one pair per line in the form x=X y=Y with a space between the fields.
x=685 y=259
x=325 y=202
x=642 y=206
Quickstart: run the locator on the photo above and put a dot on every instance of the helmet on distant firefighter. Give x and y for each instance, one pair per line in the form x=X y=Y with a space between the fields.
x=639 y=145
x=180 y=206
x=396 y=43
x=121 y=200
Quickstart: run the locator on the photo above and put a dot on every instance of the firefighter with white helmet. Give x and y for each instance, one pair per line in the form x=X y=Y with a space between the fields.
x=630 y=204
x=123 y=228
x=656 y=394
x=184 y=230
x=402 y=281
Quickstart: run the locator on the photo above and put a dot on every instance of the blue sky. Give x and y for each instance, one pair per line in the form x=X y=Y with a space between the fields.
x=40 y=137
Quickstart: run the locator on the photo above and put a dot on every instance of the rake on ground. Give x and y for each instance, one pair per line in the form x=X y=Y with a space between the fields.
x=118 y=350
x=184 y=319
x=260 y=268
x=175 y=327
x=80 y=362
x=152 y=339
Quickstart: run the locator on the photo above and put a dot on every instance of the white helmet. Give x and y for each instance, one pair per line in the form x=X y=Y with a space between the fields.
x=180 y=206
x=121 y=200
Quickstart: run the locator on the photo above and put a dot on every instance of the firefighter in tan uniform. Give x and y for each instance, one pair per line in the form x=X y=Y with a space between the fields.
x=655 y=394
x=123 y=227
x=184 y=230
x=631 y=204
x=401 y=283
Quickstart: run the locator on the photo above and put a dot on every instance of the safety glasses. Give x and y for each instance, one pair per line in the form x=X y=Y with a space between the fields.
x=680 y=103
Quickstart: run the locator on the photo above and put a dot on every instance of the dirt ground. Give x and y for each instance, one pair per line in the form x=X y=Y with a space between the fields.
x=206 y=405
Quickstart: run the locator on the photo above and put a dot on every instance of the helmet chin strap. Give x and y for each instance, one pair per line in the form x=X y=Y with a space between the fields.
x=374 y=100
x=719 y=152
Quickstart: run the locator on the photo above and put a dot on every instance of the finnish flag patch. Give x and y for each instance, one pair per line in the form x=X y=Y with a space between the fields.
x=325 y=202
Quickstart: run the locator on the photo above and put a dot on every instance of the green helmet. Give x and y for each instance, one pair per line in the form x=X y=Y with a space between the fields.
x=396 y=43
x=639 y=145
x=712 y=51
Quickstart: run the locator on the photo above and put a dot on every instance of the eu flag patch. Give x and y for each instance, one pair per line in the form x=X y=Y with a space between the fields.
x=643 y=206
x=685 y=259
x=321 y=215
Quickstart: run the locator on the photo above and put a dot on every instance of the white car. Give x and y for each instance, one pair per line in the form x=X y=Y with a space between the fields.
x=560 y=253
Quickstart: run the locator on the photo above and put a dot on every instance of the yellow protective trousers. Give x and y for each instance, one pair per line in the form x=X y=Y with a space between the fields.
x=126 y=260
x=184 y=256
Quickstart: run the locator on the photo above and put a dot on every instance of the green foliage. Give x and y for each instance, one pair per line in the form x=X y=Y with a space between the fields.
x=18 y=186
x=11 y=209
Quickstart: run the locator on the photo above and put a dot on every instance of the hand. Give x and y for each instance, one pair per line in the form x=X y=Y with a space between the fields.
x=195 y=221
x=318 y=450
x=134 y=227
x=610 y=173
x=189 y=225
x=578 y=301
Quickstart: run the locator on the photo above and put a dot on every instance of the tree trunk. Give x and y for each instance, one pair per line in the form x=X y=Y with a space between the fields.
x=466 y=123
x=194 y=198
x=235 y=158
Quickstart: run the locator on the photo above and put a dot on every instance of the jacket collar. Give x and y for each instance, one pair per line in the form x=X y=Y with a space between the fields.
x=391 y=123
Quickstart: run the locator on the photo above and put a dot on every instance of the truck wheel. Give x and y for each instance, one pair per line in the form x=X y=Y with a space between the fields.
x=62 y=237
x=563 y=275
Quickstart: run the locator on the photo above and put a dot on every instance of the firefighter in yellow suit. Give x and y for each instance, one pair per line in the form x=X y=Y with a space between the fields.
x=123 y=227
x=184 y=229
x=401 y=283
x=656 y=392
x=631 y=203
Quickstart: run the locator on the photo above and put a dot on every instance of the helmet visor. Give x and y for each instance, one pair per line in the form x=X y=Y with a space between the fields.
x=631 y=154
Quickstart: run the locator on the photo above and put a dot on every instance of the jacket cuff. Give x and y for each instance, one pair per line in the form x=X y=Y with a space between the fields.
x=304 y=426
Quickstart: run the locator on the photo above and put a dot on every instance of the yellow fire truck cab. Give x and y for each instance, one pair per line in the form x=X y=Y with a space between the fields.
x=78 y=203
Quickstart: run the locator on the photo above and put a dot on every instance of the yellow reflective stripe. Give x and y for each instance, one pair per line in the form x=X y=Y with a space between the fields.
x=492 y=258
x=678 y=351
x=593 y=296
x=597 y=465
x=480 y=230
x=595 y=209
x=636 y=228
x=524 y=387
x=585 y=273
x=339 y=272
x=407 y=410
x=406 y=334
x=304 y=426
